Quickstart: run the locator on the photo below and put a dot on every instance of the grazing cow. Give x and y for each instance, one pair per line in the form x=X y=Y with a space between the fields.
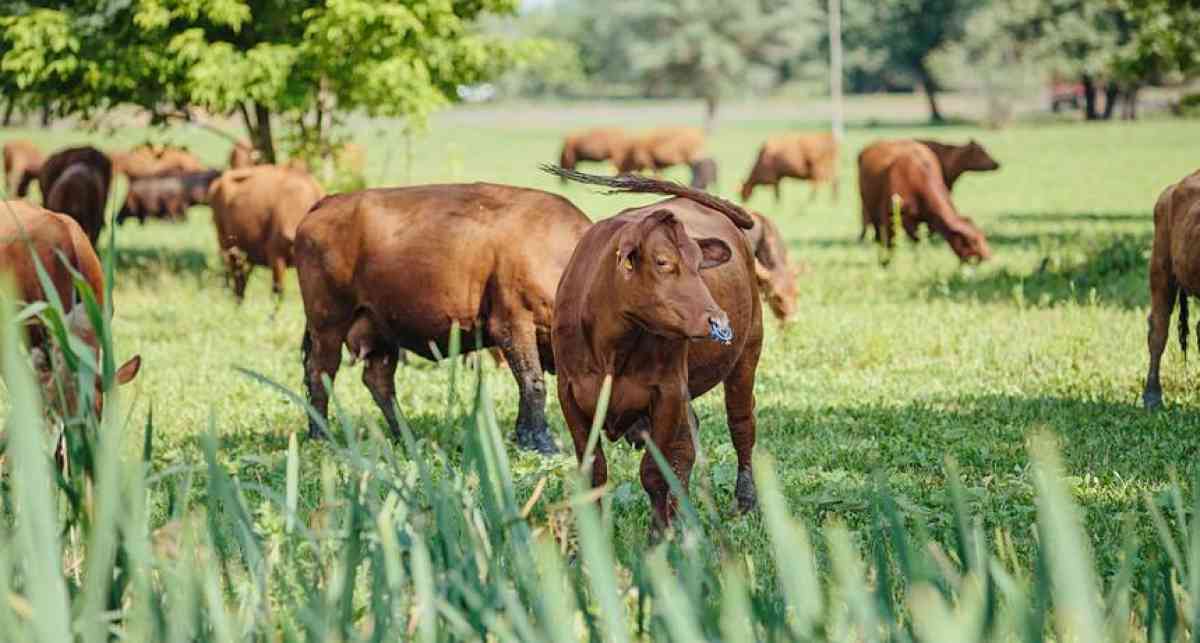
x=594 y=145
x=146 y=161
x=166 y=197
x=22 y=165
x=389 y=269
x=63 y=249
x=662 y=148
x=1174 y=273
x=640 y=300
x=75 y=182
x=243 y=155
x=812 y=157
x=256 y=211
x=959 y=159
x=910 y=171
x=776 y=278
x=704 y=174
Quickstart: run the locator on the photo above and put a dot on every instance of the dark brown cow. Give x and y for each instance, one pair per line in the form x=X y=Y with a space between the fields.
x=166 y=197
x=75 y=182
x=594 y=145
x=53 y=239
x=390 y=269
x=776 y=277
x=909 y=170
x=22 y=165
x=959 y=159
x=643 y=296
x=811 y=157
x=1174 y=273
x=256 y=211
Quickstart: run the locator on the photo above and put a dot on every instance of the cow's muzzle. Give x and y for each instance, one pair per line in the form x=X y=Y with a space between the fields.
x=719 y=329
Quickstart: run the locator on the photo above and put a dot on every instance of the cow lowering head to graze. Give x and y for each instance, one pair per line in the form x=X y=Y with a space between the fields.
x=593 y=146
x=1174 y=273
x=662 y=148
x=60 y=245
x=910 y=171
x=776 y=277
x=810 y=157
x=256 y=211
x=166 y=197
x=664 y=299
x=956 y=160
x=75 y=182
x=22 y=165
x=145 y=161
x=390 y=269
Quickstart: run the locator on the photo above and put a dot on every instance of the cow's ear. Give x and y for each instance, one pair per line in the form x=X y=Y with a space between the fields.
x=129 y=370
x=714 y=252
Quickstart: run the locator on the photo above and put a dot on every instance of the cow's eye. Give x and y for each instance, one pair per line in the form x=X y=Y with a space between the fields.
x=662 y=262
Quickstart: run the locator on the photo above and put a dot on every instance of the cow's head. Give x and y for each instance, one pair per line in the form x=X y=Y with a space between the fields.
x=968 y=242
x=658 y=279
x=747 y=190
x=778 y=286
x=60 y=387
x=977 y=159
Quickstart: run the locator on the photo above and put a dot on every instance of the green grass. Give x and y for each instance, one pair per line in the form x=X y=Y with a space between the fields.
x=883 y=373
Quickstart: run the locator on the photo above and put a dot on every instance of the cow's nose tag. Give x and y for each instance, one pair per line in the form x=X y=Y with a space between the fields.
x=720 y=331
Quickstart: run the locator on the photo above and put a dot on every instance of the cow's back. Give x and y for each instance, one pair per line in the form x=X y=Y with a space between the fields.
x=53 y=237
x=1180 y=204
x=256 y=206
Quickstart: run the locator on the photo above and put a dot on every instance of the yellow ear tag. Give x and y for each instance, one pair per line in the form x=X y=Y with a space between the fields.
x=627 y=264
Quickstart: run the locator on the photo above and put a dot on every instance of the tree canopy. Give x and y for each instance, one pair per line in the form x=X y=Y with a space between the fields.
x=306 y=61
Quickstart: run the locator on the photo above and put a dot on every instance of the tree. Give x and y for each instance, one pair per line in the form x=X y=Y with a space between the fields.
x=707 y=48
x=305 y=62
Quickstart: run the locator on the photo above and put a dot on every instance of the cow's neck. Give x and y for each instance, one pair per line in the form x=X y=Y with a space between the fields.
x=952 y=165
x=611 y=335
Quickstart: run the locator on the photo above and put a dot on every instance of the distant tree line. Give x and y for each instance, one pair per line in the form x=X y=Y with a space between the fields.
x=710 y=48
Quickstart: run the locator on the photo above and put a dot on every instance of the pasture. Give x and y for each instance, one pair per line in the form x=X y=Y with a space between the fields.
x=883 y=375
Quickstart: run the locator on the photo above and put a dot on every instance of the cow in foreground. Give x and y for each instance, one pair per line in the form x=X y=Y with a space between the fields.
x=810 y=157
x=256 y=211
x=166 y=197
x=22 y=165
x=662 y=298
x=75 y=182
x=776 y=277
x=910 y=171
x=62 y=247
x=390 y=269
x=1174 y=273
x=957 y=160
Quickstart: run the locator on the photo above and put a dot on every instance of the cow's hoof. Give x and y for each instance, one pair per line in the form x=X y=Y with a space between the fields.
x=745 y=493
x=315 y=433
x=1152 y=400
x=538 y=441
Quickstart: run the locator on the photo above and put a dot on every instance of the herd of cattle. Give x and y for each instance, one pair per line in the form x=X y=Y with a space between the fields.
x=664 y=298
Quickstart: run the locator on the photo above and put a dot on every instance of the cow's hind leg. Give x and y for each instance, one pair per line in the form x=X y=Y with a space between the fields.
x=739 y=409
x=379 y=376
x=517 y=340
x=237 y=271
x=1163 y=293
x=322 y=353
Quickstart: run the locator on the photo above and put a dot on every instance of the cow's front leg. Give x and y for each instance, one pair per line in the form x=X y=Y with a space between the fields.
x=670 y=432
x=580 y=426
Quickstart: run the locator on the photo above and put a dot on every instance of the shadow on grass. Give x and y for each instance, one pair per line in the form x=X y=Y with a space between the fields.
x=141 y=263
x=1078 y=217
x=1110 y=270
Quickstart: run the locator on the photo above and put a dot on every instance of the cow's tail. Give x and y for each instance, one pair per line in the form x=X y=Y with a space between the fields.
x=1183 y=323
x=631 y=183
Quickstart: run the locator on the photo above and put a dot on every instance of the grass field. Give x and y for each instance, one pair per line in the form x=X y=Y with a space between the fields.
x=883 y=375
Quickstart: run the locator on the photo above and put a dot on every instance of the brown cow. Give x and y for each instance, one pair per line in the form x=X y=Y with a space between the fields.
x=75 y=182
x=54 y=238
x=812 y=157
x=256 y=211
x=243 y=155
x=145 y=161
x=663 y=148
x=594 y=145
x=388 y=269
x=776 y=278
x=166 y=197
x=1174 y=273
x=643 y=294
x=911 y=171
x=959 y=159
x=22 y=165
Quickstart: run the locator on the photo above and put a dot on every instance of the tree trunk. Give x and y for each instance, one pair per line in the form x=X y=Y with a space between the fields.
x=711 y=103
x=1112 y=93
x=1089 y=97
x=931 y=89
x=8 y=110
x=265 y=140
x=1129 y=108
x=46 y=115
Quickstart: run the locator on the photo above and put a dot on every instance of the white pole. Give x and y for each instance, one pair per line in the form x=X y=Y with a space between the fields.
x=835 y=68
